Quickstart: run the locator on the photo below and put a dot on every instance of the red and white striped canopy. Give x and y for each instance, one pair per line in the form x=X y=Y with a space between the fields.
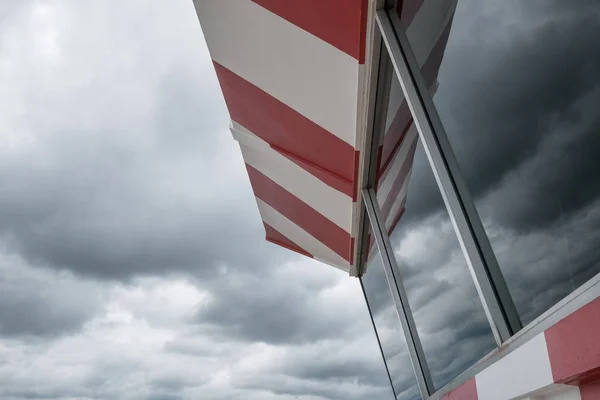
x=296 y=79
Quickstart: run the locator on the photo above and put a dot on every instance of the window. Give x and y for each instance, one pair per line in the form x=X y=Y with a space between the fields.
x=450 y=319
x=388 y=328
x=519 y=88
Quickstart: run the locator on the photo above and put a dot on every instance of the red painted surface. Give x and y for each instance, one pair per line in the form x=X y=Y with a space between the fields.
x=407 y=9
x=274 y=236
x=287 y=130
x=329 y=178
x=300 y=213
x=397 y=218
x=341 y=23
x=591 y=390
x=393 y=138
x=574 y=345
x=399 y=181
x=468 y=391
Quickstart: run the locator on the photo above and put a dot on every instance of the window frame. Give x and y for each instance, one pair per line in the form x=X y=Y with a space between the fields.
x=395 y=56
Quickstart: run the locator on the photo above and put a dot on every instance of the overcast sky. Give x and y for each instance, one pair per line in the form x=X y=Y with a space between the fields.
x=132 y=259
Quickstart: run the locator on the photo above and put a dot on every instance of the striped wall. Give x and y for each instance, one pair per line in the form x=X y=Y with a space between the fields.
x=562 y=363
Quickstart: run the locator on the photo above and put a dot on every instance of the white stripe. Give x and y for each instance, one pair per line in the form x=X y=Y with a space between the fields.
x=398 y=202
x=401 y=154
x=329 y=202
x=299 y=236
x=427 y=27
x=247 y=138
x=521 y=372
x=299 y=69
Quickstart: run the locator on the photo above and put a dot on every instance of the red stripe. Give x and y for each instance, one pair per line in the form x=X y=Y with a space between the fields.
x=274 y=236
x=300 y=213
x=467 y=391
x=341 y=23
x=399 y=182
x=327 y=177
x=574 y=345
x=591 y=390
x=397 y=218
x=407 y=9
x=289 y=132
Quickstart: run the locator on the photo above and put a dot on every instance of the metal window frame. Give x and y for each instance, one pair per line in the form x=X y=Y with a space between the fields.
x=385 y=364
x=490 y=284
x=486 y=274
x=409 y=328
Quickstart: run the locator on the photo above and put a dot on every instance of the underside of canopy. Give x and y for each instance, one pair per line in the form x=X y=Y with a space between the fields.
x=298 y=77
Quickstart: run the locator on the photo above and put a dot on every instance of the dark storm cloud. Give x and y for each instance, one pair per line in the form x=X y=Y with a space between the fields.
x=269 y=309
x=39 y=303
x=34 y=316
x=98 y=205
x=284 y=386
x=110 y=197
x=125 y=169
x=518 y=95
x=505 y=92
x=339 y=371
x=158 y=396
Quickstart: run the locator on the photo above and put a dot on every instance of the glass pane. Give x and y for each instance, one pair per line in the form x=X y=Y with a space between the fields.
x=450 y=319
x=519 y=96
x=389 y=330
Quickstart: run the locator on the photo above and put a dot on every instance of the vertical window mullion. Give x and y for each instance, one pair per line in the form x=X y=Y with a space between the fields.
x=409 y=328
x=489 y=281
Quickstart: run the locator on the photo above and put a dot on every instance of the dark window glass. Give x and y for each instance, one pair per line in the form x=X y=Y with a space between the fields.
x=519 y=96
x=449 y=316
x=389 y=330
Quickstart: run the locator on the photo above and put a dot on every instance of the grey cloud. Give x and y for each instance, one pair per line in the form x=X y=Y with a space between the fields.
x=503 y=91
x=39 y=303
x=112 y=203
x=284 y=385
x=127 y=169
x=265 y=308
x=338 y=371
x=120 y=188
x=102 y=207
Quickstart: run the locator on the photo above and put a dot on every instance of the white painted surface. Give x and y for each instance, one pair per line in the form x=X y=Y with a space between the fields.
x=329 y=202
x=299 y=69
x=521 y=372
x=299 y=236
x=396 y=165
x=247 y=138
